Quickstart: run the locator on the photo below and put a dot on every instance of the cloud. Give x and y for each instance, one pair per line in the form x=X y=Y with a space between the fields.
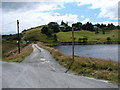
x=108 y=8
x=86 y=20
x=56 y=14
x=30 y=15
x=25 y=6
x=33 y=18
x=105 y=22
x=21 y=6
x=82 y=16
x=0 y=18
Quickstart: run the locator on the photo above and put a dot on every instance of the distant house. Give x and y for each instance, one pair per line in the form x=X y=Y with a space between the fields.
x=95 y=28
x=62 y=28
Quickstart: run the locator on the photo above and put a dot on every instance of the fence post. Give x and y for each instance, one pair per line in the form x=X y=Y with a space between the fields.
x=72 y=51
x=18 y=36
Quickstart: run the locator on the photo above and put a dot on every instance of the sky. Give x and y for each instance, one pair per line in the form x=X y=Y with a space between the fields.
x=31 y=13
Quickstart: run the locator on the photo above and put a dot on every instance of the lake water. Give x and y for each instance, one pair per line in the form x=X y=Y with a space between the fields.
x=109 y=52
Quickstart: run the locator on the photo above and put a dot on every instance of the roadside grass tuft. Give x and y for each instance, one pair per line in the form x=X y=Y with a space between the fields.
x=25 y=51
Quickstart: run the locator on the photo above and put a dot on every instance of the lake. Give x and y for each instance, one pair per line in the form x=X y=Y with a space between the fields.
x=108 y=52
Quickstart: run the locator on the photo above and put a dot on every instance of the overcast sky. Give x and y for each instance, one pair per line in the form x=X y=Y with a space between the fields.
x=32 y=14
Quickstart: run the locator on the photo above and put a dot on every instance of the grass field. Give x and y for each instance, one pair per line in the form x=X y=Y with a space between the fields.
x=66 y=36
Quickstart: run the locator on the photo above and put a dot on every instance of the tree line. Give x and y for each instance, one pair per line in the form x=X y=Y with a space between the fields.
x=54 y=27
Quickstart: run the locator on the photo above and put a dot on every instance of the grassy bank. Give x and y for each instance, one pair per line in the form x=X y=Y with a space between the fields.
x=13 y=56
x=10 y=49
x=8 y=46
x=91 y=67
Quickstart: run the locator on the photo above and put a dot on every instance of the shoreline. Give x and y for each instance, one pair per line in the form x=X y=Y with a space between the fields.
x=78 y=43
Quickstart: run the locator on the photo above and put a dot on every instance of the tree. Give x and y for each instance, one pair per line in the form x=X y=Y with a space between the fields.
x=80 y=39
x=77 y=25
x=55 y=38
x=108 y=39
x=54 y=27
x=103 y=32
x=68 y=28
x=88 y=26
x=102 y=25
x=24 y=30
x=96 y=29
x=44 y=30
x=63 y=23
x=47 y=31
x=98 y=25
x=85 y=39
x=111 y=26
x=117 y=27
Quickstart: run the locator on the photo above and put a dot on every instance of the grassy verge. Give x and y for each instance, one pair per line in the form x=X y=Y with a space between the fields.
x=8 y=46
x=91 y=67
x=15 y=57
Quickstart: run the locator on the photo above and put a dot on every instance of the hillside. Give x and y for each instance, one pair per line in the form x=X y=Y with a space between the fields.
x=100 y=38
x=36 y=35
x=91 y=36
